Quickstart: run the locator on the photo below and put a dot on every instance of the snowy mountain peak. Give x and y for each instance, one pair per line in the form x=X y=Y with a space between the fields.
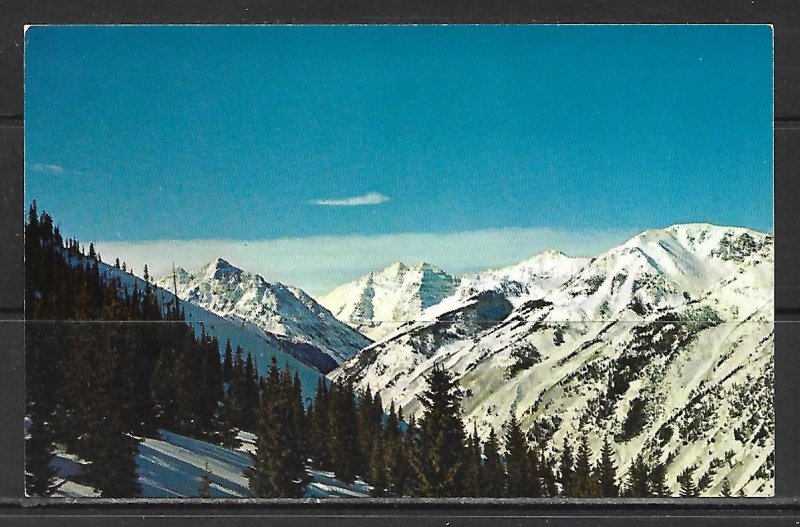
x=381 y=300
x=220 y=269
x=287 y=313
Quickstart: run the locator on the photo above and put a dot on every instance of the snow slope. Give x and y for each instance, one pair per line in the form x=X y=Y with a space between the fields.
x=301 y=326
x=664 y=344
x=172 y=466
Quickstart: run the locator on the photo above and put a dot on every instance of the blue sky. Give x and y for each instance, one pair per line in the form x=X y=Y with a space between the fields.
x=229 y=138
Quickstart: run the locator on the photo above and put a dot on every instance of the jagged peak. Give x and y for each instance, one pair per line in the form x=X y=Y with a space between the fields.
x=219 y=267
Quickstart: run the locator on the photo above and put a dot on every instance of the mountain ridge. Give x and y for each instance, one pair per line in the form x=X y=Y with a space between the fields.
x=275 y=309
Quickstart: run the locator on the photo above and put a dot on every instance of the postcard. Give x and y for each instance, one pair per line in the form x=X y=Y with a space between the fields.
x=484 y=261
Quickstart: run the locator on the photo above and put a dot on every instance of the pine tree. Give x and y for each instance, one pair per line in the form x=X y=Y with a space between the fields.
x=688 y=489
x=411 y=454
x=638 y=485
x=549 y=480
x=583 y=485
x=319 y=426
x=726 y=488
x=658 y=481
x=277 y=469
x=441 y=437
x=606 y=472
x=378 y=473
x=227 y=363
x=493 y=484
x=395 y=454
x=473 y=468
x=343 y=433
x=40 y=405
x=566 y=469
x=205 y=483
x=113 y=468
x=516 y=457
x=703 y=483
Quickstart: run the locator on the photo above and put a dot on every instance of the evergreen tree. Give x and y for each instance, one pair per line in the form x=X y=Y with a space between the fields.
x=566 y=469
x=395 y=455
x=378 y=469
x=658 y=481
x=688 y=489
x=411 y=449
x=319 y=426
x=583 y=485
x=343 y=433
x=516 y=457
x=441 y=437
x=40 y=474
x=638 y=485
x=606 y=472
x=726 y=488
x=473 y=465
x=227 y=363
x=113 y=466
x=548 y=474
x=277 y=469
x=493 y=484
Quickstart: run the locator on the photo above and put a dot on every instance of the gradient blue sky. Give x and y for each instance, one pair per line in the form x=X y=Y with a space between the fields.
x=260 y=134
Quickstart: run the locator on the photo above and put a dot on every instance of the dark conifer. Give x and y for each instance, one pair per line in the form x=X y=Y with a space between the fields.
x=441 y=437
x=343 y=433
x=517 y=456
x=227 y=363
x=473 y=466
x=277 y=468
x=726 y=488
x=583 y=485
x=494 y=476
x=606 y=472
x=566 y=469
x=638 y=484
x=688 y=489
x=658 y=481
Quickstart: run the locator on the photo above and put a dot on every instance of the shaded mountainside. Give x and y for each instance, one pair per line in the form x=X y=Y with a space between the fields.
x=664 y=345
x=283 y=315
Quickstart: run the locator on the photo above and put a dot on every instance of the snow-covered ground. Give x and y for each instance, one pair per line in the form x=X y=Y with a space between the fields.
x=172 y=467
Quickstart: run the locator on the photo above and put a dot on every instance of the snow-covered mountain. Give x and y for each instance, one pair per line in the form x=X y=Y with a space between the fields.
x=663 y=344
x=302 y=326
x=378 y=302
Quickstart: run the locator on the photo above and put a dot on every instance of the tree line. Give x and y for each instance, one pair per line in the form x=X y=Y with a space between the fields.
x=350 y=435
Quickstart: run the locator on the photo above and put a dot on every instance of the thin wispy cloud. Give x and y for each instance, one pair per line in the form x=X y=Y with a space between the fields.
x=371 y=198
x=46 y=168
